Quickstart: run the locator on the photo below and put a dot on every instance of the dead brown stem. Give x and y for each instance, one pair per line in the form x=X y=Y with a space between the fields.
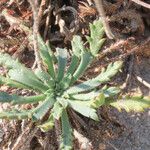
x=48 y=20
x=25 y=137
x=100 y=9
x=142 y=3
x=41 y=9
x=34 y=5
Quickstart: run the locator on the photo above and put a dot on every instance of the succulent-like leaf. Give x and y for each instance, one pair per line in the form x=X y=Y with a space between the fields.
x=86 y=59
x=11 y=83
x=44 y=77
x=49 y=124
x=83 y=108
x=77 y=46
x=65 y=83
x=108 y=92
x=57 y=110
x=95 y=40
x=66 y=137
x=63 y=102
x=86 y=96
x=46 y=57
x=111 y=91
x=95 y=29
x=16 y=114
x=26 y=77
x=131 y=104
x=98 y=101
x=62 y=61
x=105 y=76
x=40 y=111
x=15 y=99
x=20 y=73
x=9 y=62
x=73 y=65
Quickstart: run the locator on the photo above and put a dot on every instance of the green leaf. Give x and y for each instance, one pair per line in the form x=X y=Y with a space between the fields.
x=83 y=108
x=95 y=40
x=85 y=96
x=108 y=92
x=105 y=76
x=27 y=78
x=66 y=137
x=77 y=49
x=44 y=77
x=49 y=124
x=20 y=73
x=95 y=29
x=9 y=62
x=16 y=114
x=131 y=104
x=66 y=81
x=57 y=110
x=11 y=83
x=40 y=111
x=77 y=46
x=73 y=65
x=112 y=69
x=86 y=59
x=46 y=57
x=111 y=91
x=63 y=102
x=98 y=101
x=62 y=61
x=15 y=99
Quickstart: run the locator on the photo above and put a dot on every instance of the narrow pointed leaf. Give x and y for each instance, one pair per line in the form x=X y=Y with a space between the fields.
x=46 y=57
x=15 y=99
x=86 y=96
x=11 y=83
x=98 y=101
x=15 y=114
x=62 y=61
x=63 y=102
x=66 y=137
x=57 y=110
x=105 y=76
x=95 y=40
x=49 y=124
x=44 y=77
x=83 y=109
x=40 y=111
x=73 y=65
x=132 y=104
x=65 y=83
x=108 y=92
x=77 y=49
x=25 y=77
x=9 y=62
x=77 y=46
x=86 y=59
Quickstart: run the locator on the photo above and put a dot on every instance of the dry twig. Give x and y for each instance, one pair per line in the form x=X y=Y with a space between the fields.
x=142 y=3
x=25 y=137
x=100 y=9
x=41 y=9
x=34 y=6
x=48 y=20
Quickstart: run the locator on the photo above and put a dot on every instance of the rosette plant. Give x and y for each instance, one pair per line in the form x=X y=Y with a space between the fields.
x=56 y=87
